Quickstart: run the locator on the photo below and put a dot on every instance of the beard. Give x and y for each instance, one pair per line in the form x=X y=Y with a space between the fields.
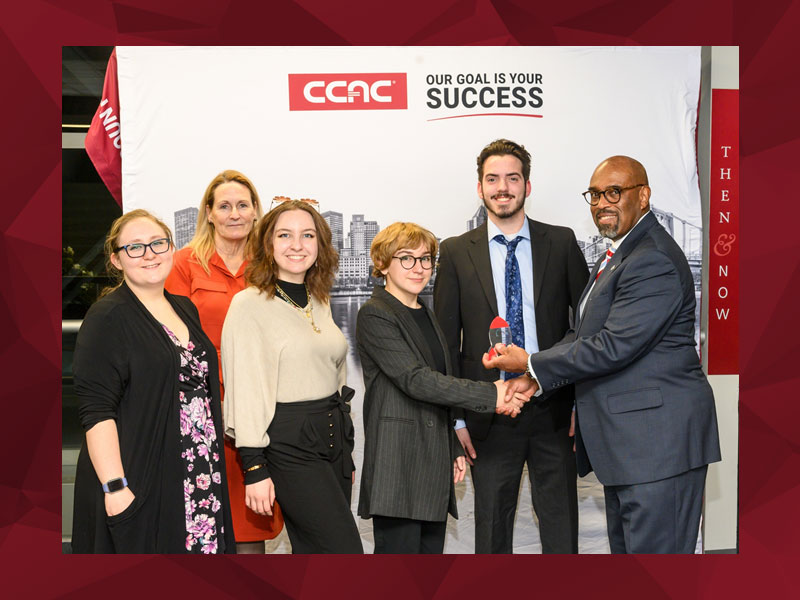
x=608 y=230
x=504 y=212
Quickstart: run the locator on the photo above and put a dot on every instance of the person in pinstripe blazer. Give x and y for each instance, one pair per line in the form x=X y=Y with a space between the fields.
x=412 y=457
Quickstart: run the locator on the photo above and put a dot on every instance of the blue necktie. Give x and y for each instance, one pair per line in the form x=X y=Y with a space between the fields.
x=513 y=295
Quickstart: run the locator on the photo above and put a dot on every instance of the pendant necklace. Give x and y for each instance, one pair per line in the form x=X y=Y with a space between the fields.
x=306 y=311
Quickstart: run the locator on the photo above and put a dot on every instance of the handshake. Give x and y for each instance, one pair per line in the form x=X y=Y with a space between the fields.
x=511 y=397
x=514 y=393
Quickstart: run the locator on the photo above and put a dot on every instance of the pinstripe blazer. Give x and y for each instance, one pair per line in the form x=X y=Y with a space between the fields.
x=409 y=444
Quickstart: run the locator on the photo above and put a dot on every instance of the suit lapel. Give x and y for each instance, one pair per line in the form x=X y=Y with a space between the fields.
x=448 y=367
x=586 y=291
x=407 y=323
x=619 y=257
x=478 y=249
x=540 y=250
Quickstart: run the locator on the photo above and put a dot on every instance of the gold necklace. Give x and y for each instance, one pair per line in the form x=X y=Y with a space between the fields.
x=306 y=311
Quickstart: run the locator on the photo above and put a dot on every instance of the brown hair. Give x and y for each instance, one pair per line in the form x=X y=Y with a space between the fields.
x=262 y=271
x=112 y=243
x=394 y=237
x=503 y=147
x=202 y=243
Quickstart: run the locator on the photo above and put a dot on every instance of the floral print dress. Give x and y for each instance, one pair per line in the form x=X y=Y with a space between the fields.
x=202 y=484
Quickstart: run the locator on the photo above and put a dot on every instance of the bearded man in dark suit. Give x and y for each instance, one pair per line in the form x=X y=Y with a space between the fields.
x=531 y=274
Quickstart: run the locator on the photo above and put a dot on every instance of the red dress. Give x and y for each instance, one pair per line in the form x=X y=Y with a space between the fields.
x=212 y=293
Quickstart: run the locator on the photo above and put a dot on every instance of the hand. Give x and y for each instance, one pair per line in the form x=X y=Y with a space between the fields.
x=524 y=386
x=353 y=477
x=459 y=469
x=572 y=429
x=116 y=502
x=466 y=443
x=260 y=496
x=511 y=358
x=510 y=406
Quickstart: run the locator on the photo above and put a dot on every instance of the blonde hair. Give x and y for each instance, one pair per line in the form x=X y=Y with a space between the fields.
x=112 y=243
x=395 y=237
x=262 y=271
x=202 y=243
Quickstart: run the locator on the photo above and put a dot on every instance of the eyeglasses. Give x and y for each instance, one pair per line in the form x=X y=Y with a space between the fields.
x=408 y=262
x=138 y=250
x=612 y=194
x=278 y=200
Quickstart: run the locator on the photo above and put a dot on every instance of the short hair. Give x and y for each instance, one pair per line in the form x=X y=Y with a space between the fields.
x=202 y=243
x=503 y=147
x=262 y=271
x=395 y=237
x=112 y=243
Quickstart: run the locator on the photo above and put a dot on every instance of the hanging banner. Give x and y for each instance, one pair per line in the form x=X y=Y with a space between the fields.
x=103 y=142
x=378 y=135
x=723 y=259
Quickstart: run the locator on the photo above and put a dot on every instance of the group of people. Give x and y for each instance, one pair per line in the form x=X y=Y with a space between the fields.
x=212 y=380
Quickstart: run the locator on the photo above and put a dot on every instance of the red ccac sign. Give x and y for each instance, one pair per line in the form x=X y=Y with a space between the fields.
x=347 y=91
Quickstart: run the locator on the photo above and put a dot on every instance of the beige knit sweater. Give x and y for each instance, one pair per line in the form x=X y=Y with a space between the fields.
x=270 y=354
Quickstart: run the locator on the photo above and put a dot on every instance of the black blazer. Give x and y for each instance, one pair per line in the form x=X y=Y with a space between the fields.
x=465 y=303
x=126 y=369
x=409 y=442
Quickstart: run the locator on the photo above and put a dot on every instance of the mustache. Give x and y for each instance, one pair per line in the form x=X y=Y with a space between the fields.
x=503 y=195
x=605 y=211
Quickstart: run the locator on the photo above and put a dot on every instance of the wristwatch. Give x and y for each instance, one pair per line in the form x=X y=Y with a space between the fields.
x=115 y=485
x=528 y=368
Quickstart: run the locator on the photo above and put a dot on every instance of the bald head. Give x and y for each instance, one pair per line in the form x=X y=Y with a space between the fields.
x=628 y=178
x=625 y=163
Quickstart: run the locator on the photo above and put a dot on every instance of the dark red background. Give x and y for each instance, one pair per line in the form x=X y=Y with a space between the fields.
x=31 y=35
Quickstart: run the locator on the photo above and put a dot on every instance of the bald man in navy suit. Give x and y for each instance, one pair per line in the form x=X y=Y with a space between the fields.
x=645 y=415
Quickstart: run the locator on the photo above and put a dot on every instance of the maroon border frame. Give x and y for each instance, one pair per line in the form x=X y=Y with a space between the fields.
x=33 y=32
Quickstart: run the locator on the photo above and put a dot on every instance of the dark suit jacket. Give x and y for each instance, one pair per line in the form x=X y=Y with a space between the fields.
x=465 y=303
x=409 y=444
x=645 y=409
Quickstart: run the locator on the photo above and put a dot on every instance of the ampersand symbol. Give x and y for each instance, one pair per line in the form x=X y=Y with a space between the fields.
x=724 y=243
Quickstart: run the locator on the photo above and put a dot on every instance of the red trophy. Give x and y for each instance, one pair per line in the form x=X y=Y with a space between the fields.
x=499 y=333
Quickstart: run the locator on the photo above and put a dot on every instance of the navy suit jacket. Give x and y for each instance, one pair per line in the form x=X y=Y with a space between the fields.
x=645 y=410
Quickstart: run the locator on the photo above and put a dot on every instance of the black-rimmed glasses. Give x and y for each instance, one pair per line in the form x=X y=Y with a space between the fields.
x=612 y=194
x=407 y=261
x=138 y=250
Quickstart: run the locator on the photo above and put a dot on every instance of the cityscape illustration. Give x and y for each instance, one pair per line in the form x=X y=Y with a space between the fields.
x=355 y=265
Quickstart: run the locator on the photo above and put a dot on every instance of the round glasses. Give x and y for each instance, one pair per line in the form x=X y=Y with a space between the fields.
x=612 y=194
x=407 y=261
x=138 y=250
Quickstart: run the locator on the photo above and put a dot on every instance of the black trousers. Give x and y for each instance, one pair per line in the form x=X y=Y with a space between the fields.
x=535 y=438
x=395 y=535
x=660 y=517
x=311 y=465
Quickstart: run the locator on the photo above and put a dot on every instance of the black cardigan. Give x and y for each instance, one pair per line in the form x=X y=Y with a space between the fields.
x=126 y=368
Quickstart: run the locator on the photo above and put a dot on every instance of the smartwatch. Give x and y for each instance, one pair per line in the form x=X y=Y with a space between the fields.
x=115 y=485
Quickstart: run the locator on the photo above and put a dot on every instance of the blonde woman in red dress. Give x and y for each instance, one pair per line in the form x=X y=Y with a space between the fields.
x=210 y=271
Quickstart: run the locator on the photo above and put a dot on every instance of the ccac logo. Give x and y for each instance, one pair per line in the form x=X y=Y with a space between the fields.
x=347 y=91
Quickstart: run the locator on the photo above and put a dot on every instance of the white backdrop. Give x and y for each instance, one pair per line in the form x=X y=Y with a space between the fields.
x=188 y=113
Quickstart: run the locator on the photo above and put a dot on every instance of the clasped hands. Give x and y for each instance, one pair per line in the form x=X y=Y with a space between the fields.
x=512 y=359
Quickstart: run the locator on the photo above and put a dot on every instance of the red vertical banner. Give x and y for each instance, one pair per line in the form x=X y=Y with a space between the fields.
x=723 y=263
x=103 y=142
